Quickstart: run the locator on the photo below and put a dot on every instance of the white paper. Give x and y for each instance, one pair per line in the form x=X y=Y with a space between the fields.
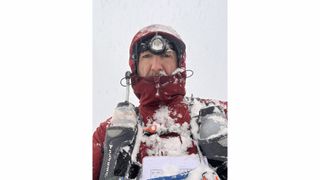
x=158 y=166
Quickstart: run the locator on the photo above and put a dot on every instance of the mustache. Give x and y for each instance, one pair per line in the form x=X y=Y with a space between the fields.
x=160 y=73
x=163 y=73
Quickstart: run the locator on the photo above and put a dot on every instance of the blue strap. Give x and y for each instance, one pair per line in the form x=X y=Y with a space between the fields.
x=181 y=176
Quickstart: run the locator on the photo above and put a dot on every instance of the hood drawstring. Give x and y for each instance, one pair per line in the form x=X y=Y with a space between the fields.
x=157 y=82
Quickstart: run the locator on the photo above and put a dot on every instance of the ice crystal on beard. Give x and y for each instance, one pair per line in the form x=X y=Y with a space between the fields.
x=163 y=73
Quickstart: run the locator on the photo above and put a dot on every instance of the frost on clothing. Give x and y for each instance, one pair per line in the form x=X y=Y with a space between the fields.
x=164 y=124
x=172 y=136
x=220 y=115
x=169 y=120
x=157 y=27
x=201 y=171
x=124 y=116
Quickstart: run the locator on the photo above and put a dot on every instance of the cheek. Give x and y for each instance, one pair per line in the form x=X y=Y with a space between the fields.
x=142 y=70
x=170 y=68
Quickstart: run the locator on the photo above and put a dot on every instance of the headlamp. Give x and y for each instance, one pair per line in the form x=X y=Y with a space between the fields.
x=157 y=45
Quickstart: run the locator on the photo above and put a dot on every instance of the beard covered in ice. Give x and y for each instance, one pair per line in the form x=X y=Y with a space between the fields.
x=170 y=145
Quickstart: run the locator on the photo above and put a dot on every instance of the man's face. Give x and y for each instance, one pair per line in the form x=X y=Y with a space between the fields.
x=154 y=65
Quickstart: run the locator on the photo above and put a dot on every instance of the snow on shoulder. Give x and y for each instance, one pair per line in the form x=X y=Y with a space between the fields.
x=124 y=116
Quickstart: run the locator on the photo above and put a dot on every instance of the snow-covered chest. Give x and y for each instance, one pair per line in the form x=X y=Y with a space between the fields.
x=167 y=133
x=168 y=120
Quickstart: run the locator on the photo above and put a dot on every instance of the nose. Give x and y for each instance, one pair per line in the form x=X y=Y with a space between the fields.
x=156 y=65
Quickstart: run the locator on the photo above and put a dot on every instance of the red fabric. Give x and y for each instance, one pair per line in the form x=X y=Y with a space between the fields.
x=100 y=132
x=143 y=147
x=151 y=31
x=152 y=92
x=97 y=148
x=222 y=104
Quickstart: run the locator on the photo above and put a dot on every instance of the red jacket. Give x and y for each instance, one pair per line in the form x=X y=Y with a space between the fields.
x=97 y=148
x=100 y=133
x=154 y=93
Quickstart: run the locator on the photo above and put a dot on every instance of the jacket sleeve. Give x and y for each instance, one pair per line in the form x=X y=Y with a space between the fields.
x=97 y=148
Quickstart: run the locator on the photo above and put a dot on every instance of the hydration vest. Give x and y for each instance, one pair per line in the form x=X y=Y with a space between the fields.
x=208 y=129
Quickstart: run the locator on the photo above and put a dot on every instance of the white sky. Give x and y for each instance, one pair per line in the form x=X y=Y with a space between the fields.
x=45 y=75
x=201 y=24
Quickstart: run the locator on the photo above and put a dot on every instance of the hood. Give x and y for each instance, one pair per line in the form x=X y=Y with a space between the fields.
x=157 y=91
x=164 y=31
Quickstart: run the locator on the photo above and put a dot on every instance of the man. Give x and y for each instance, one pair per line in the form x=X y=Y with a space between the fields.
x=167 y=124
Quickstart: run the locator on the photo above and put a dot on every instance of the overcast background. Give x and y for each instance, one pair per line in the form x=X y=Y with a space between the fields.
x=46 y=88
x=201 y=24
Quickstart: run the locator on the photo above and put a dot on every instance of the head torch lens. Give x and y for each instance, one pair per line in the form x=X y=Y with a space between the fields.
x=157 y=45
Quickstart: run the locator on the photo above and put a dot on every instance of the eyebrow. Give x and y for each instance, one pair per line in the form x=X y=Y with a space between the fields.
x=145 y=54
